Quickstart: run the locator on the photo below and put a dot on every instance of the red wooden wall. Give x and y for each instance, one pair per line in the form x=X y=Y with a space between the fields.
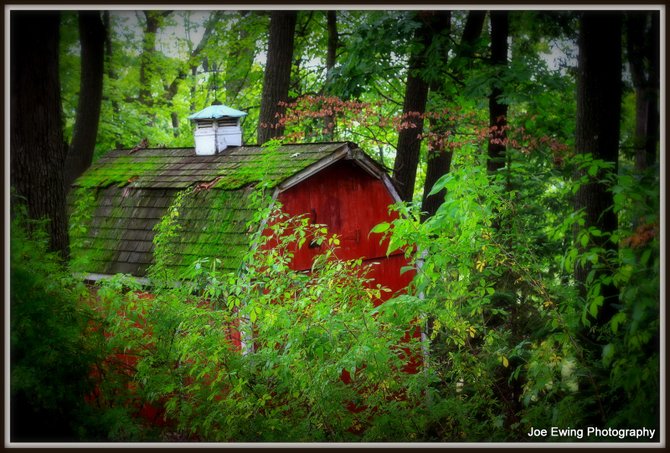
x=350 y=202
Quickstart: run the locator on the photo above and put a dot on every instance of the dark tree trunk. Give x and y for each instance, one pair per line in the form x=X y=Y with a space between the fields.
x=439 y=158
x=333 y=39
x=414 y=108
x=438 y=165
x=643 y=57
x=597 y=129
x=194 y=74
x=471 y=33
x=497 y=108
x=92 y=37
x=277 y=74
x=36 y=132
x=331 y=57
x=508 y=388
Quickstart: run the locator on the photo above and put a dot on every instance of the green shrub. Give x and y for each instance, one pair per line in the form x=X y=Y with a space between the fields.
x=54 y=346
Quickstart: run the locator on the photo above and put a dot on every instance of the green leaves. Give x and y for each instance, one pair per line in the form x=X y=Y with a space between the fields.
x=53 y=341
x=381 y=228
x=275 y=350
x=494 y=291
x=441 y=183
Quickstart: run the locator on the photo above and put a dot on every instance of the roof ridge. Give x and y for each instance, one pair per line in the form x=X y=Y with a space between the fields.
x=167 y=148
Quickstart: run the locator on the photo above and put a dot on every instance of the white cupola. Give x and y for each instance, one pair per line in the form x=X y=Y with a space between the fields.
x=216 y=128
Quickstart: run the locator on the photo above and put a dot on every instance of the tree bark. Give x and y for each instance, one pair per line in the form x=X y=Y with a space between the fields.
x=36 y=131
x=597 y=130
x=439 y=164
x=439 y=158
x=277 y=74
x=333 y=39
x=331 y=57
x=92 y=36
x=497 y=108
x=414 y=108
x=471 y=33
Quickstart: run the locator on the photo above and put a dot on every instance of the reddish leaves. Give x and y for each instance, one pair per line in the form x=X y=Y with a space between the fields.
x=643 y=235
x=311 y=116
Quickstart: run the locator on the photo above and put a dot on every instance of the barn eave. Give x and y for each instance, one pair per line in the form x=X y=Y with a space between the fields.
x=348 y=152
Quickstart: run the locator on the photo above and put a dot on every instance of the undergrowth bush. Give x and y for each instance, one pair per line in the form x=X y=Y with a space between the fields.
x=52 y=349
x=512 y=338
x=269 y=353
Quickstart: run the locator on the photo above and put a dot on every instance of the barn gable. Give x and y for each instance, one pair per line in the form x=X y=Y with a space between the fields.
x=118 y=202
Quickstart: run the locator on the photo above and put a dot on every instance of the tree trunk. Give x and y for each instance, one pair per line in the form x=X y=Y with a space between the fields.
x=439 y=164
x=497 y=108
x=331 y=56
x=507 y=388
x=277 y=74
x=414 y=108
x=36 y=132
x=148 y=49
x=643 y=58
x=439 y=158
x=173 y=88
x=92 y=37
x=471 y=33
x=111 y=74
x=597 y=130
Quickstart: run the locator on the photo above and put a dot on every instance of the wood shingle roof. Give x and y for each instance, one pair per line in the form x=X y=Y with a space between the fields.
x=116 y=205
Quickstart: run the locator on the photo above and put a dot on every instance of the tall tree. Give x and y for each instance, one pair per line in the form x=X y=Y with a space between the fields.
x=36 y=133
x=498 y=108
x=92 y=36
x=439 y=158
x=277 y=73
x=472 y=30
x=331 y=57
x=189 y=65
x=153 y=21
x=112 y=76
x=414 y=105
x=597 y=130
x=333 y=41
x=642 y=32
x=240 y=59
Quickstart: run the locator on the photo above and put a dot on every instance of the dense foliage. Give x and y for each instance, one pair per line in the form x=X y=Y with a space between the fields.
x=506 y=319
x=508 y=338
x=259 y=355
x=55 y=346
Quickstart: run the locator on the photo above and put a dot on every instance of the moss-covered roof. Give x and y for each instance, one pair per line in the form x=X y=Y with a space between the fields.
x=116 y=205
x=180 y=168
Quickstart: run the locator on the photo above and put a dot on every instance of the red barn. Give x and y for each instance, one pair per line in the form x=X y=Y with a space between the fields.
x=117 y=203
x=208 y=192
